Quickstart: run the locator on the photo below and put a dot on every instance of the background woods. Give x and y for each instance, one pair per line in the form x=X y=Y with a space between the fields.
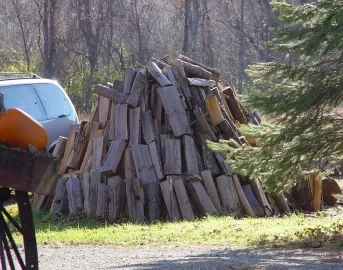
x=81 y=43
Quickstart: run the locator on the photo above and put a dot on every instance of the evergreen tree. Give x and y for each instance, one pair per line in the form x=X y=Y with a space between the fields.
x=304 y=93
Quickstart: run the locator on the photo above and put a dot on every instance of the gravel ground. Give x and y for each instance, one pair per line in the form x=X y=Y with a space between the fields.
x=99 y=257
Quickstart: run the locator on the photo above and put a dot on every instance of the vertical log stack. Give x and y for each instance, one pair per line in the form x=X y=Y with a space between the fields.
x=143 y=155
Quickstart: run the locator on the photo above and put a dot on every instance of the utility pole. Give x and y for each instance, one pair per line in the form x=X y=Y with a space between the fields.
x=241 y=52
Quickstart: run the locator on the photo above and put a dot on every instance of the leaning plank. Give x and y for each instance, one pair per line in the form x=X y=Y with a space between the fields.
x=211 y=189
x=147 y=127
x=135 y=127
x=172 y=78
x=135 y=200
x=281 y=202
x=60 y=148
x=60 y=201
x=93 y=193
x=181 y=80
x=169 y=196
x=113 y=94
x=102 y=200
x=156 y=72
x=69 y=148
x=136 y=90
x=88 y=153
x=205 y=126
x=256 y=207
x=228 y=131
x=224 y=166
x=190 y=153
x=156 y=160
x=112 y=121
x=214 y=109
x=261 y=196
x=114 y=190
x=228 y=195
x=98 y=152
x=201 y=82
x=104 y=108
x=113 y=157
x=183 y=200
x=196 y=71
x=242 y=197
x=86 y=178
x=74 y=195
x=172 y=164
x=153 y=198
x=143 y=163
x=175 y=111
x=130 y=76
x=235 y=105
x=201 y=198
x=121 y=131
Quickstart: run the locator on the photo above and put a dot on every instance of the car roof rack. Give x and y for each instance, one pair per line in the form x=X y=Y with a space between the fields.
x=17 y=76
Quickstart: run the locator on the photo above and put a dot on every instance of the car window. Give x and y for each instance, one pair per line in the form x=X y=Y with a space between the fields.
x=54 y=100
x=25 y=98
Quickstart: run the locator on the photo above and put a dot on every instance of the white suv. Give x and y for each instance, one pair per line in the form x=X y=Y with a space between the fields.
x=43 y=99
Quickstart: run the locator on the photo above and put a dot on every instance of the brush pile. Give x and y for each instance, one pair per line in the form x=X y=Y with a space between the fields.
x=143 y=155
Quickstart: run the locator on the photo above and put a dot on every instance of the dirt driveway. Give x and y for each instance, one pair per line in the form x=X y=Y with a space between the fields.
x=87 y=257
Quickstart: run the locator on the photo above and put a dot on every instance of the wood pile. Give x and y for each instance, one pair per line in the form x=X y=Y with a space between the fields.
x=143 y=154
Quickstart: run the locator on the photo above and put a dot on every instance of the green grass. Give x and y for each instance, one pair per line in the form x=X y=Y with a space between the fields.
x=294 y=229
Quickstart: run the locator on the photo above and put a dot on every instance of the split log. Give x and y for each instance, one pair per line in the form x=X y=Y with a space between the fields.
x=228 y=131
x=121 y=131
x=153 y=198
x=87 y=159
x=156 y=160
x=102 y=200
x=135 y=200
x=104 y=108
x=135 y=127
x=60 y=201
x=316 y=187
x=228 y=195
x=130 y=76
x=114 y=189
x=261 y=196
x=205 y=126
x=93 y=193
x=173 y=163
x=98 y=152
x=190 y=155
x=234 y=105
x=113 y=157
x=200 y=82
x=201 y=198
x=74 y=195
x=112 y=121
x=183 y=200
x=172 y=78
x=170 y=200
x=214 y=109
x=60 y=148
x=68 y=149
x=85 y=184
x=94 y=117
x=112 y=94
x=156 y=72
x=255 y=206
x=281 y=202
x=224 y=166
x=242 y=198
x=196 y=71
x=143 y=163
x=175 y=111
x=137 y=89
x=147 y=127
x=211 y=189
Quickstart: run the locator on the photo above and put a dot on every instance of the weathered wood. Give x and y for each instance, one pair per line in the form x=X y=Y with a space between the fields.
x=135 y=127
x=211 y=189
x=135 y=200
x=121 y=131
x=261 y=196
x=94 y=117
x=316 y=188
x=68 y=148
x=98 y=152
x=153 y=198
x=60 y=201
x=85 y=184
x=201 y=198
x=172 y=164
x=60 y=148
x=245 y=203
x=104 y=108
x=112 y=121
x=255 y=206
x=171 y=77
x=143 y=163
x=114 y=190
x=234 y=105
x=88 y=154
x=113 y=157
x=200 y=82
x=119 y=85
x=215 y=72
x=228 y=132
x=93 y=193
x=226 y=106
x=112 y=94
x=228 y=195
x=205 y=126
x=102 y=200
x=196 y=71
x=281 y=202
x=183 y=200
x=37 y=201
x=130 y=170
x=190 y=155
x=214 y=109
x=136 y=89
x=224 y=166
x=80 y=146
x=130 y=76
x=175 y=111
x=156 y=72
x=170 y=200
x=147 y=127
x=156 y=160
x=74 y=195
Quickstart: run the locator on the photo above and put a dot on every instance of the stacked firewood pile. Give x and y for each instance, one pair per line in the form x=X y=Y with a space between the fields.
x=143 y=154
